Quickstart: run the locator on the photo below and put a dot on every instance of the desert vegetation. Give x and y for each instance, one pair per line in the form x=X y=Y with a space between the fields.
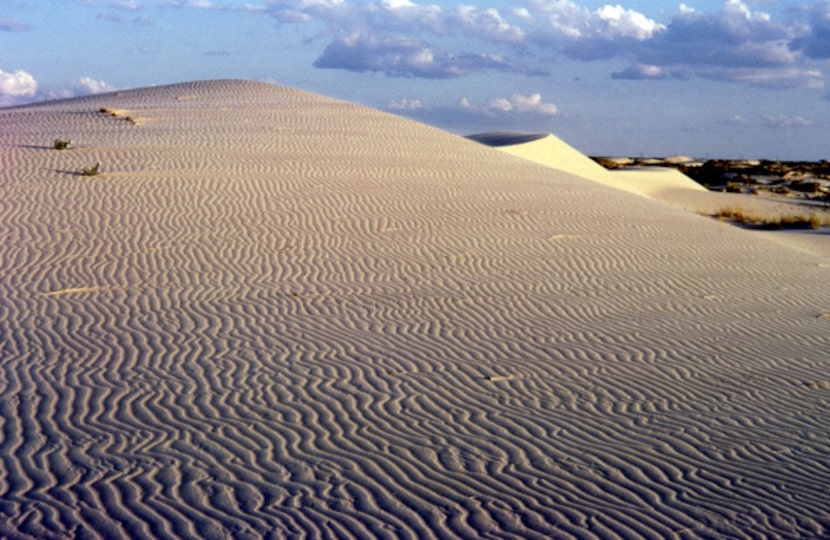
x=760 y=221
x=95 y=170
x=118 y=114
x=810 y=178
x=807 y=181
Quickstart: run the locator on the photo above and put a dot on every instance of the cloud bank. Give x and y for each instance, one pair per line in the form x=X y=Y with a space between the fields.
x=20 y=87
x=402 y=38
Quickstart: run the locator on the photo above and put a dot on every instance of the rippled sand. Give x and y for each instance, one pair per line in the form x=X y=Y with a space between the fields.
x=280 y=315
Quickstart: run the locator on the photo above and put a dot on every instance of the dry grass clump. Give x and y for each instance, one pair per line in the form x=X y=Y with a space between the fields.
x=755 y=220
x=92 y=171
x=118 y=114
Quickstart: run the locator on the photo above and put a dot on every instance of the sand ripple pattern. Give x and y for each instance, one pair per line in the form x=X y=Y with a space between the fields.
x=280 y=316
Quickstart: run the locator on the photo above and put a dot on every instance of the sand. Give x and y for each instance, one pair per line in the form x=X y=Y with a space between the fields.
x=660 y=183
x=279 y=315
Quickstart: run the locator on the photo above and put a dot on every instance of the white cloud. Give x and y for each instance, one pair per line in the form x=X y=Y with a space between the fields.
x=619 y=22
x=815 y=39
x=198 y=4
x=501 y=104
x=782 y=121
x=88 y=85
x=406 y=38
x=128 y=5
x=522 y=13
x=777 y=78
x=405 y=104
x=84 y=86
x=393 y=22
x=402 y=56
x=533 y=104
x=395 y=56
x=641 y=71
x=517 y=103
x=16 y=86
x=683 y=9
x=575 y=22
x=488 y=24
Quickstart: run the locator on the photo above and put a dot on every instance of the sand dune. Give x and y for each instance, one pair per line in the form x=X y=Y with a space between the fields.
x=279 y=315
x=553 y=152
x=661 y=183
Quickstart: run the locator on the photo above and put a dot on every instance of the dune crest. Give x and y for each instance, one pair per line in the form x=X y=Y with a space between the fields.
x=281 y=315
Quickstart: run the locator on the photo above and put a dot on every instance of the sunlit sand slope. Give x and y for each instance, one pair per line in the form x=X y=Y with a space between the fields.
x=551 y=151
x=654 y=181
x=279 y=315
x=545 y=149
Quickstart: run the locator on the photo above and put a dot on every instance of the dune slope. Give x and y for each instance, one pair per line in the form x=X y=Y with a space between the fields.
x=551 y=151
x=279 y=315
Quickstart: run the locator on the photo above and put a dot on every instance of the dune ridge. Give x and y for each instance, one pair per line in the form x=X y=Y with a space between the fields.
x=279 y=315
x=551 y=151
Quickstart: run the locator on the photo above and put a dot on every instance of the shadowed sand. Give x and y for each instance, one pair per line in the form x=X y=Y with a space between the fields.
x=279 y=315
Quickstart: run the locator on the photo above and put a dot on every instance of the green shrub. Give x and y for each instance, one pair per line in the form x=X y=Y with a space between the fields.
x=92 y=171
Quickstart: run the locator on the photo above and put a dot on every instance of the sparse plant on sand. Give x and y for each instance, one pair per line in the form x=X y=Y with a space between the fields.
x=751 y=219
x=95 y=170
x=61 y=144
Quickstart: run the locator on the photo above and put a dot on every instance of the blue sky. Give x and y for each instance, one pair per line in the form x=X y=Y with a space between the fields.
x=733 y=78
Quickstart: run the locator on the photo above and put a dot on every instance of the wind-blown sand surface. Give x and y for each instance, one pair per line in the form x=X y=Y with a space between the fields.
x=279 y=315
x=660 y=183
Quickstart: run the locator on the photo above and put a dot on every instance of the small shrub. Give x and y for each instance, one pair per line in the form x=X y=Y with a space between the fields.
x=60 y=144
x=737 y=215
x=92 y=171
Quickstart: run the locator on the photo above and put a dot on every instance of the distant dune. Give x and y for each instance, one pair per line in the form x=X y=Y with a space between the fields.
x=549 y=150
x=277 y=315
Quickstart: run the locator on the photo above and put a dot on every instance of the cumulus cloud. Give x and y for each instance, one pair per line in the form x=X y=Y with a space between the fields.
x=530 y=104
x=396 y=16
x=641 y=71
x=488 y=24
x=83 y=86
x=16 y=87
x=405 y=104
x=783 y=121
x=734 y=37
x=88 y=85
x=393 y=36
x=566 y=19
x=815 y=43
x=735 y=44
x=396 y=56
x=403 y=57
x=406 y=38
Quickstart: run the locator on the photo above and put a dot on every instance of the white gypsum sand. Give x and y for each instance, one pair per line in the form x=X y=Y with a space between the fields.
x=279 y=315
